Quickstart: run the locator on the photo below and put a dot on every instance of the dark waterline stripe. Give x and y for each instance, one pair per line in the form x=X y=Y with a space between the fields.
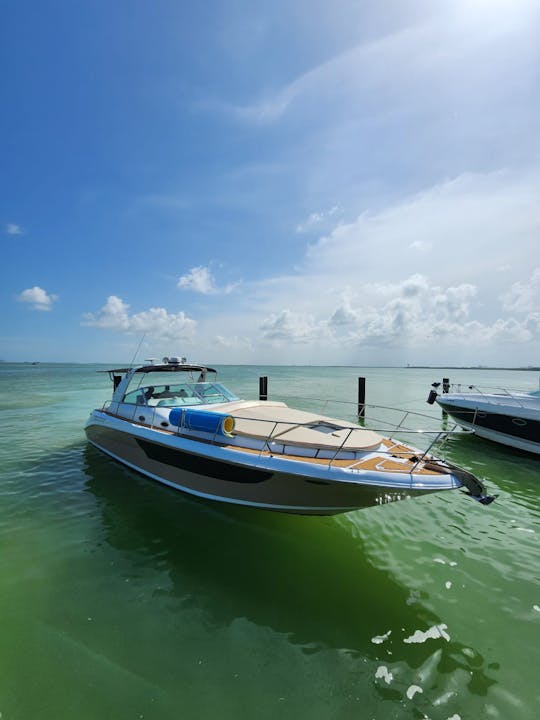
x=496 y=422
x=201 y=465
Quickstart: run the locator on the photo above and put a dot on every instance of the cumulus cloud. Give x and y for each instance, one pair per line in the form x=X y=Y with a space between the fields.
x=468 y=220
x=38 y=298
x=291 y=327
x=155 y=322
x=532 y=323
x=13 y=229
x=113 y=315
x=407 y=306
x=200 y=280
x=413 y=313
x=361 y=285
x=524 y=296
x=361 y=294
x=344 y=314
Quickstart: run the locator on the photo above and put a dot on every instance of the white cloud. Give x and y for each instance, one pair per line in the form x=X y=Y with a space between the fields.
x=412 y=312
x=113 y=315
x=234 y=342
x=437 y=63
x=344 y=75
x=532 y=324
x=316 y=219
x=361 y=289
x=200 y=280
x=13 y=229
x=291 y=327
x=38 y=298
x=344 y=314
x=155 y=322
x=524 y=296
x=475 y=223
x=421 y=245
x=361 y=296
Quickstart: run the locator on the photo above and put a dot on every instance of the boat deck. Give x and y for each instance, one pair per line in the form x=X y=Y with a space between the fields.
x=378 y=453
x=393 y=458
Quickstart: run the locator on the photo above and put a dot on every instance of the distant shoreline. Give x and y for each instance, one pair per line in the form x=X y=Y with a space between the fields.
x=483 y=368
x=467 y=367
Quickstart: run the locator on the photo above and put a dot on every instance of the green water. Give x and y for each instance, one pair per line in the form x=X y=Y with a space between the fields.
x=121 y=598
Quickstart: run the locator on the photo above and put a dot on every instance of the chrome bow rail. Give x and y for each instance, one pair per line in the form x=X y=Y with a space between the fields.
x=396 y=424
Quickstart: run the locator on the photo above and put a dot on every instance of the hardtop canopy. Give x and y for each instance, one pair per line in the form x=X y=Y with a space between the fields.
x=165 y=366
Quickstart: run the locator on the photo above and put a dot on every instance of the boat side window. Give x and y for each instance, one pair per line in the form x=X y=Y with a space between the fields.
x=136 y=397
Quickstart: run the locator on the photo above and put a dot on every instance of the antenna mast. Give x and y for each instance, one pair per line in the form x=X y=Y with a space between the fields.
x=137 y=350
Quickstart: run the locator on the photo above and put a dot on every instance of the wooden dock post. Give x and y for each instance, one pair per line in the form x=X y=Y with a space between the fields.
x=361 y=397
x=263 y=388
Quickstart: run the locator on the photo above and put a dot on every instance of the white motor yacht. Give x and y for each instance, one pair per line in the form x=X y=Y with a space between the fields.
x=173 y=422
x=509 y=418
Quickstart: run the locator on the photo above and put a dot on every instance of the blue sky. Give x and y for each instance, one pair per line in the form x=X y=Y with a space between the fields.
x=286 y=182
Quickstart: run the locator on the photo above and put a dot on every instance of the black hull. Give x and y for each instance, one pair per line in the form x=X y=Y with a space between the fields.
x=512 y=430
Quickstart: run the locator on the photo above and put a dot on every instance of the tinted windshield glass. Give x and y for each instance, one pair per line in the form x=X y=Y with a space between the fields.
x=178 y=394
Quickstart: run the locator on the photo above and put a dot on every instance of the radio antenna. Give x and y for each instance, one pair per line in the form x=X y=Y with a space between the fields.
x=137 y=350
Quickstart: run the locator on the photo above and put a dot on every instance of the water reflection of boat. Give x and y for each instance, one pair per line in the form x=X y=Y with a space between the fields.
x=313 y=583
x=170 y=422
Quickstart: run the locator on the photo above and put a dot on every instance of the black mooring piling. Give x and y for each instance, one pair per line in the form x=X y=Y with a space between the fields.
x=361 y=397
x=263 y=388
x=263 y=393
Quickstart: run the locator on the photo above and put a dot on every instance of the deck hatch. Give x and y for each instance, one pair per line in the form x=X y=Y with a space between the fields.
x=324 y=427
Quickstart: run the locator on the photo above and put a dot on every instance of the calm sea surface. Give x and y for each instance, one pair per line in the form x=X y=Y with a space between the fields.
x=121 y=598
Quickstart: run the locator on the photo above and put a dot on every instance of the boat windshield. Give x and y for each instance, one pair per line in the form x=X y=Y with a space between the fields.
x=180 y=394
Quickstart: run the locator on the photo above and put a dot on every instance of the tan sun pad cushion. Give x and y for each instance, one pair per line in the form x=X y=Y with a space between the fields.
x=297 y=427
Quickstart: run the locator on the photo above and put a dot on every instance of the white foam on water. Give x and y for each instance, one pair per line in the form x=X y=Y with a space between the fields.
x=433 y=633
x=383 y=672
x=378 y=639
x=412 y=690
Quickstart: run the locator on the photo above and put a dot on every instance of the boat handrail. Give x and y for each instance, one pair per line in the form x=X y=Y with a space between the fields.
x=385 y=427
x=515 y=395
x=371 y=406
x=397 y=426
